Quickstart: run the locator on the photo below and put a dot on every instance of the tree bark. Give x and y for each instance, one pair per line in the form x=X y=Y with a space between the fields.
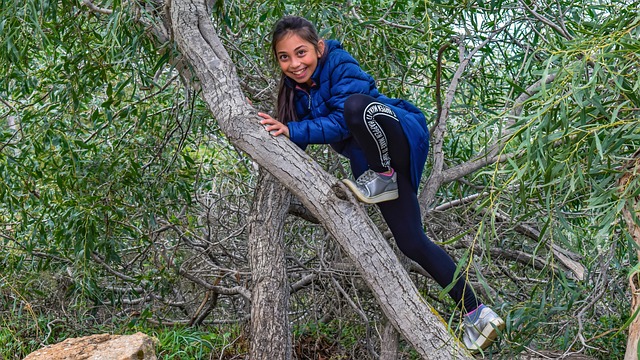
x=270 y=336
x=630 y=214
x=325 y=197
x=389 y=341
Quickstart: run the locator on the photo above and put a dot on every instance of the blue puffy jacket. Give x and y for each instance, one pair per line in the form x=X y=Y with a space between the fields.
x=320 y=111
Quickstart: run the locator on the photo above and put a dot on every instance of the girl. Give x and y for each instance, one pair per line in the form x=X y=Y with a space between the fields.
x=325 y=97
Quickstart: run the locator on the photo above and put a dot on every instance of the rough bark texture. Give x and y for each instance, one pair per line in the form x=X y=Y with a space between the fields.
x=270 y=336
x=389 y=343
x=630 y=213
x=320 y=192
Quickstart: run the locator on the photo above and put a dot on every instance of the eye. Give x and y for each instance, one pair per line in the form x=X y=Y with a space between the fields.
x=282 y=57
x=302 y=53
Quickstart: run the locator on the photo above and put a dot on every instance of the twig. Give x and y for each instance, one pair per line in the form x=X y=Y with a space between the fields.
x=117 y=114
x=594 y=298
x=8 y=105
x=546 y=21
x=95 y=8
x=563 y=256
x=457 y=202
x=122 y=276
x=236 y=290
x=186 y=322
x=360 y=312
x=50 y=330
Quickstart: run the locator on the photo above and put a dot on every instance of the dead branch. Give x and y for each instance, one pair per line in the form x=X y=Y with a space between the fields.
x=95 y=8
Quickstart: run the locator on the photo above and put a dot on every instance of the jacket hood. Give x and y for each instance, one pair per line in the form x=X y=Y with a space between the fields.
x=329 y=46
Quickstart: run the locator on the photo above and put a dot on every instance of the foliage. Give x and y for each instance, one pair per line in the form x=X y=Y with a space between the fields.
x=121 y=199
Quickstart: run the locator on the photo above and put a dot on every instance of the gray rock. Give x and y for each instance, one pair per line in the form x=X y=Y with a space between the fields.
x=138 y=346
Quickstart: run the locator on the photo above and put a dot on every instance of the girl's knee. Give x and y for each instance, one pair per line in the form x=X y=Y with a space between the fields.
x=354 y=108
x=414 y=244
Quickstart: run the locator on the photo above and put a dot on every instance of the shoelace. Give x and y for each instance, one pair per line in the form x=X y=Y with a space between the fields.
x=366 y=177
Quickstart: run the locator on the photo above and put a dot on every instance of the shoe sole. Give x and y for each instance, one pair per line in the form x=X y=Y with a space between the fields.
x=385 y=196
x=488 y=335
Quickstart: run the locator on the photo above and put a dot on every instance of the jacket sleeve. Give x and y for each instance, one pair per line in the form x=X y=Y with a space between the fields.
x=345 y=78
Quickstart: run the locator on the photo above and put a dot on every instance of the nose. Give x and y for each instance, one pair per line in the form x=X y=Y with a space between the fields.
x=295 y=63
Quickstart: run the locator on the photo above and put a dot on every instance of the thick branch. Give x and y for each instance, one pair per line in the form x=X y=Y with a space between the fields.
x=490 y=156
x=345 y=219
x=564 y=257
x=435 y=180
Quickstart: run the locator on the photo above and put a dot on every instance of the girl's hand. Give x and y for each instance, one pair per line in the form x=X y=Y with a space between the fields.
x=273 y=126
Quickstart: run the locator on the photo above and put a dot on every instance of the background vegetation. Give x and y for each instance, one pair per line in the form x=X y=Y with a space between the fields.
x=124 y=208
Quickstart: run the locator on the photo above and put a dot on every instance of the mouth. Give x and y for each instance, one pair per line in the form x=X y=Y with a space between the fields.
x=299 y=73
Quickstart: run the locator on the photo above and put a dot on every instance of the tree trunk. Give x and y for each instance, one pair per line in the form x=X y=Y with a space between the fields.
x=630 y=215
x=325 y=197
x=270 y=337
x=634 y=328
x=389 y=341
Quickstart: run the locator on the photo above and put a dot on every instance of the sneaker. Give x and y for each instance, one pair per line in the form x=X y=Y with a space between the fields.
x=480 y=334
x=372 y=187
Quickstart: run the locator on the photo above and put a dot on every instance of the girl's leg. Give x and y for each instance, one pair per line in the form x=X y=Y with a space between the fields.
x=372 y=123
x=403 y=217
x=378 y=132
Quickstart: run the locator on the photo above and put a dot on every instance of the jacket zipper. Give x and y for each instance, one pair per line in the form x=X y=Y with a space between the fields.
x=308 y=95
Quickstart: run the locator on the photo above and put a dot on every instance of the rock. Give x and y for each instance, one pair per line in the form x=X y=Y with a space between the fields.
x=138 y=346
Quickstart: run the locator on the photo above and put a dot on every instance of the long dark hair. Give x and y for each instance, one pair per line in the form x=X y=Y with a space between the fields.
x=302 y=27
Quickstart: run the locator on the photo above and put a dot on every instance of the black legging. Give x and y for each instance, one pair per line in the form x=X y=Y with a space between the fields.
x=378 y=132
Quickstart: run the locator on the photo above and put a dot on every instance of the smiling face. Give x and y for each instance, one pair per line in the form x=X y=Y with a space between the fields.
x=297 y=57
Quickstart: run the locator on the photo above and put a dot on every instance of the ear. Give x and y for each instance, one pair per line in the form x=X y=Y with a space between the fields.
x=320 y=48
